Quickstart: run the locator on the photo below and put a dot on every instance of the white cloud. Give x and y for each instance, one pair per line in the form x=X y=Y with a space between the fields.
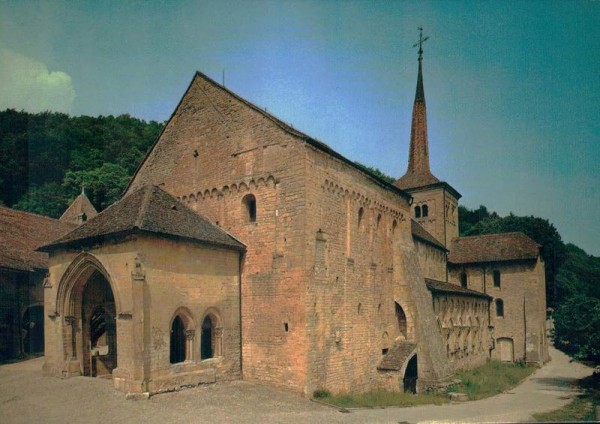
x=26 y=83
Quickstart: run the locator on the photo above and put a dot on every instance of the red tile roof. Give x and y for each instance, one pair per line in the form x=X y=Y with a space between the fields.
x=443 y=287
x=81 y=205
x=151 y=210
x=21 y=233
x=422 y=234
x=397 y=355
x=492 y=248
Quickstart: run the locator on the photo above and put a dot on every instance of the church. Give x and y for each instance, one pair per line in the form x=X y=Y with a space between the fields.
x=245 y=249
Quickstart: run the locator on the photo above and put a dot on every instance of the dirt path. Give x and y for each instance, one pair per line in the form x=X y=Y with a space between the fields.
x=27 y=397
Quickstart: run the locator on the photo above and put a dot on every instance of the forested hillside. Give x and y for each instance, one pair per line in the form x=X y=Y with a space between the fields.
x=46 y=157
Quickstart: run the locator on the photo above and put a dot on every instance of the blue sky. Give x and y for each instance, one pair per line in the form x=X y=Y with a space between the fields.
x=512 y=88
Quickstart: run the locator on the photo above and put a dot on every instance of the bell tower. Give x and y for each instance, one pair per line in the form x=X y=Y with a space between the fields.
x=435 y=202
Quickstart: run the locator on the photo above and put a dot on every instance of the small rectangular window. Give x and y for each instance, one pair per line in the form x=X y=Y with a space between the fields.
x=384 y=351
x=497 y=279
x=286 y=327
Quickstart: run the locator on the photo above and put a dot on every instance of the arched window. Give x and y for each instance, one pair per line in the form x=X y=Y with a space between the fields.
x=424 y=211
x=178 y=341
x=417 y=211
x=207 y=345
x=463 y=279
x=499 y=308
x=361 y=212
x=401 y=317
x=394 y=225
x=497 y=279
x=378 y=220
x=249 y=202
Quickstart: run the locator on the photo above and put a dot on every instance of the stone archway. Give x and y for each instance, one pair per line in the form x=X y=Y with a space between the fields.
x=88 y=303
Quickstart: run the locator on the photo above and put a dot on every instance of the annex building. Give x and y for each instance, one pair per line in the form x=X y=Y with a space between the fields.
x=245 y=249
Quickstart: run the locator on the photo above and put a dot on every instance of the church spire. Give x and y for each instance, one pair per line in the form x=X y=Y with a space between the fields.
x=418 y=173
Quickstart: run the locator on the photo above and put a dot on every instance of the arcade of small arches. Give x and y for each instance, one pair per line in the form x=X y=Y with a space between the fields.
x=462 y=323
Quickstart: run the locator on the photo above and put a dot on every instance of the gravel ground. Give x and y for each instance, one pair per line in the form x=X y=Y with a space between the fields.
x=28 y=397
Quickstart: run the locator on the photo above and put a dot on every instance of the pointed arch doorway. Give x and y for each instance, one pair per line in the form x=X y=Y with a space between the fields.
x=99 y=336
x=90 y=333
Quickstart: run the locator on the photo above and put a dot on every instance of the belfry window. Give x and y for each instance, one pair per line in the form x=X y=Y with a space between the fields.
x=424 y=211
x=499 y=308
x=417 y=211
x=497 y=279
x=249 y=202
x=463 y=280
x=361 y=212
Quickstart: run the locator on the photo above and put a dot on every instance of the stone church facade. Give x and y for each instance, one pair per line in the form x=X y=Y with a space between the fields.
x=244 y=248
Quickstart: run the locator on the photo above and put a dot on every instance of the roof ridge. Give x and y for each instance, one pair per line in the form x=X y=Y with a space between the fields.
x=144 y=206
x=494 y=234
x=37 y=215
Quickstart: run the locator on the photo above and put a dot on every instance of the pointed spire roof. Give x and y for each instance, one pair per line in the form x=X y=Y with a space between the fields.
x=147 y=210
x=418 y=173
x=80 y=210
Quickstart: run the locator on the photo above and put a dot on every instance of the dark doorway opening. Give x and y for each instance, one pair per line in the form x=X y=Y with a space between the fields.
x=410 y=376
x=33 y=327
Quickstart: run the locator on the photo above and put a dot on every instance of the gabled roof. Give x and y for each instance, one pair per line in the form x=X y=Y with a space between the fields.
x=21 y=233
x=422 y=234
x=443 y=287
x=283 y=126
x=397 y=355
x=492 y=248
x=147 y=210
x=81 y=205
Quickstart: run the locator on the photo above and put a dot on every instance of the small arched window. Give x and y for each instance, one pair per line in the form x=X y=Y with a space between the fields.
x=207 y=342
x=249 y=202
x=497 y=279
x=424 y=211
x=417 y=211
x=394 y=225
x=499 y=308
x=361 y=213
x=178 y=341
x=378 y=220
x=463 y=279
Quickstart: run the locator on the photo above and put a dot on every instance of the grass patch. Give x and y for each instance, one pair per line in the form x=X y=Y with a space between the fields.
x=582 y=408
x=491 y=379
x=381 y=398
x=488 y=380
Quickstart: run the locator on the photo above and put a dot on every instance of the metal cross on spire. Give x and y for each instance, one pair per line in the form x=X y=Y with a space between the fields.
x=420 y=42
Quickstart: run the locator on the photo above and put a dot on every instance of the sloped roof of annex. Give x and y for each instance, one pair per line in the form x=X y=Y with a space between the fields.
x=149 y=210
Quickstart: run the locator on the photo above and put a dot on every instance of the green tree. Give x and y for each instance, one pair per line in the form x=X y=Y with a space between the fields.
x=577 y=327
x=50 y=200
x=103 y=185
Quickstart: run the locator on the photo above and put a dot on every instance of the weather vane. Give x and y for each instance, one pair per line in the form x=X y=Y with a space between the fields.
x=420 y=42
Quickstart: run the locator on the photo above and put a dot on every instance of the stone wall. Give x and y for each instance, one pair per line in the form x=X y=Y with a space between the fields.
x=463 y=322
x=522 y=293
x=432 y=260
x=152 y=280
x=216 y=150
